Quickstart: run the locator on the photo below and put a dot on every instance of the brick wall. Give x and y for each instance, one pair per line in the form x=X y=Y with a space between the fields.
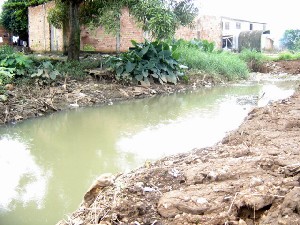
x=210 y=28
x=40 y=30
x=206 y=27
x=103 y=42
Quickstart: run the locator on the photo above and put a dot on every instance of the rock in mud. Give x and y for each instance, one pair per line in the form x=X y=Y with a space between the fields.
x=102 y=181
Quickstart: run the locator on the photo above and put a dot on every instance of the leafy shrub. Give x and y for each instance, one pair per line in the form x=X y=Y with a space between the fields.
x=155 y=60
x=45 y=71
x=288 y=56
x=21 y=63
x=6 y=75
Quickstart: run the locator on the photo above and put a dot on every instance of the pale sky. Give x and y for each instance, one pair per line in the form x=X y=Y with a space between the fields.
x=1 y=3
x=279 y=15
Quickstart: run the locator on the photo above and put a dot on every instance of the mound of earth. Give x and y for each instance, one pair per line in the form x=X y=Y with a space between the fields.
x=284 y=66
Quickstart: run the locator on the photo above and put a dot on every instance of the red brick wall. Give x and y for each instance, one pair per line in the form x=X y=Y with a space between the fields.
x=129 y=31
x=186 y=33
x=206 y=27
x=39 y=28
x=5 y=36
x=103 y=42
x=210 y=28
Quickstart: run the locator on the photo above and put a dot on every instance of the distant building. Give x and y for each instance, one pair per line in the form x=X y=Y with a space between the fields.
x=238 y=34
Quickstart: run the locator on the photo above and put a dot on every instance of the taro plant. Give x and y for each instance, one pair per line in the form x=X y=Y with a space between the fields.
x=45 y=71
x=21 y=63
x=6 y=75
x=145 y=61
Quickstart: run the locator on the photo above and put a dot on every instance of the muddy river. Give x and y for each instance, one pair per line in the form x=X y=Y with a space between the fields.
x=47 y=164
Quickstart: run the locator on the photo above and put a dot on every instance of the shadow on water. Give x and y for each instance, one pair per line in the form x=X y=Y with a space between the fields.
x=48 y=163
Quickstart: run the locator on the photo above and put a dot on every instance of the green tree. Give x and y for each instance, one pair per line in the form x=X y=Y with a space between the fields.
x=159 y=17
x=291 y=40
x=14 y=16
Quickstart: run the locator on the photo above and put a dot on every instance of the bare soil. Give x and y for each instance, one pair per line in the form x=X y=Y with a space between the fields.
x=250 y=177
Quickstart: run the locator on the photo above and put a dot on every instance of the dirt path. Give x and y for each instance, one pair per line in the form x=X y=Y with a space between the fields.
x=251 y=177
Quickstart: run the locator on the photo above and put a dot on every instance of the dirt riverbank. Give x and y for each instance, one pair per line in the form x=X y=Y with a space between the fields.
x=25 y=102
x=250 y=177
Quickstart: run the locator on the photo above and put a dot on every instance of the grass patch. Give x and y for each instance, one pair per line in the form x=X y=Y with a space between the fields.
x=254 y=59
x=225 y=64
x=288 y=56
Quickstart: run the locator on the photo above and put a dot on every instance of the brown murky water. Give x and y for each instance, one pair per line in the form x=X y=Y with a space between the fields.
x=46 y=164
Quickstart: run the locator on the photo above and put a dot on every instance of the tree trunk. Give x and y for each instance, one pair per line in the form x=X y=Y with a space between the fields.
x=74 y=36
x=65 y=37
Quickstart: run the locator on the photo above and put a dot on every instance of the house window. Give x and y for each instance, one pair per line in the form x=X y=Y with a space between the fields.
x=238 y=25
x=226 y=25
x=251 y=26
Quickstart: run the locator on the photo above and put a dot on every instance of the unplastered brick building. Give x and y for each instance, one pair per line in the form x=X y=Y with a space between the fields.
x=4 y=36
x=44 y=37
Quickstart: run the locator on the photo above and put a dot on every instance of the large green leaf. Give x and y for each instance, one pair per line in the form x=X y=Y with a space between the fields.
x=144 y=51
x=145 y=73
x=165 y=53
x=171 y=79
x=145 y=82
x=130 y=67
x=139 y=77
x=53 y=74
x=120 y=70
x=163 y=78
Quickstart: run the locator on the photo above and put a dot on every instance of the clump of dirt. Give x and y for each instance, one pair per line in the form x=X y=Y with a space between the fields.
x=284 y=66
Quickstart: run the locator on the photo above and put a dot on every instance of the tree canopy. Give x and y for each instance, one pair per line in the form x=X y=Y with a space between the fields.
x=14 y=16
x=291 y=40
x=160 y=17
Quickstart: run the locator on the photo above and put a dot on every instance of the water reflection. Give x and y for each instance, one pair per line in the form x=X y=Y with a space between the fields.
x=24 y=181
x=48 y=163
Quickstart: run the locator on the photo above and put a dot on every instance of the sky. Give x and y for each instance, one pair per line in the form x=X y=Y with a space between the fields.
x=279 y=15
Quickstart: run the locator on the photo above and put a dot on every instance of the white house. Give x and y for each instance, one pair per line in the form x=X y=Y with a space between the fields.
x=231 y=29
